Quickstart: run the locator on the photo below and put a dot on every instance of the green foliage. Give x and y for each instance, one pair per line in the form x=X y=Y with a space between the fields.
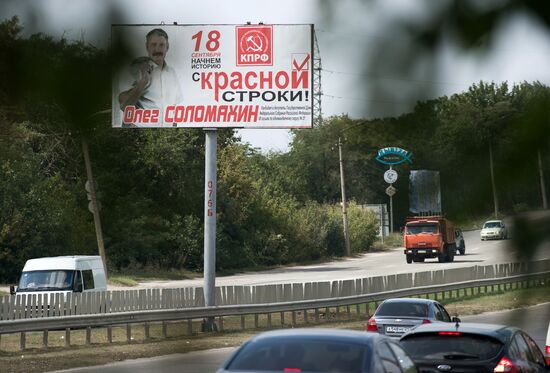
x=363 y=226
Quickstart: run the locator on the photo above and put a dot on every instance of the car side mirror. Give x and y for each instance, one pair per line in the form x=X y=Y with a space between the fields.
x=12 y=289
x=455 y=319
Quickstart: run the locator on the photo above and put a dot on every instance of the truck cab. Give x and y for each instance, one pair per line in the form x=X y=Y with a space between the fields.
x=429 y=237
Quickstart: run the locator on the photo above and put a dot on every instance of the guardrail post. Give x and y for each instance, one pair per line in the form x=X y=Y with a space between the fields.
x=88 y=335
x=164 y=332
x=358 y=310
x=45 y=338
x=269 y=320
x=242 y=322
x=293 y=318
x=348 y=310
x=317 y=315
x=23 y=341
x=146 y=331
x=282 y=318
x=189 y=327
x=67 y=337
x=305 y=317
x=337 y=312
x=327 y=314
x=220 y=321
x=256 y=321
x=110 y=334
x=129 y=332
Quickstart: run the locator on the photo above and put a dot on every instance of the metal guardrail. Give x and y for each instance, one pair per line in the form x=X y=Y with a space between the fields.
x=149 y=316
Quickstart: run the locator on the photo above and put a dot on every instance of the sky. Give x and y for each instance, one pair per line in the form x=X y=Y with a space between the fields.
x=351 y=35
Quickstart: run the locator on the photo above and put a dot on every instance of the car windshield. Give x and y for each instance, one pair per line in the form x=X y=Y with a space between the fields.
x=451 y=347
x=421 y=228
x=403 y=309
x=492 y=224
x=46 y=280
x=301 y=355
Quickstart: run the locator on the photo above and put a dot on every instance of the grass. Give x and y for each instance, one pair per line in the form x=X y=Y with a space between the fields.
x=57 y=356
x=393 y=240
x=131 y=277
x=123 y=280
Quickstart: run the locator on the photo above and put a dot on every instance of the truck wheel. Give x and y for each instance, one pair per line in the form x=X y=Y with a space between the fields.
x=451 y=257
x=451 y=250
x=409 y=258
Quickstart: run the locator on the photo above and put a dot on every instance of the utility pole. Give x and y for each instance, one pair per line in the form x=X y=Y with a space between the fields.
x=495 y=197
x=542 y=186
x=344 y=202
x=93 y=200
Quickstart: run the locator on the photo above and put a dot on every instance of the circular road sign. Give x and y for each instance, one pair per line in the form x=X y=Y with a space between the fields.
x=390 y=176
x=391 y=190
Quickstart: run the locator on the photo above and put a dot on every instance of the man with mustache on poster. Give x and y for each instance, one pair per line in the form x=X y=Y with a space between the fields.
x=156 y=84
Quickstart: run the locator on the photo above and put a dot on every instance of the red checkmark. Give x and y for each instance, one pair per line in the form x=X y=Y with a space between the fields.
x=300 y=67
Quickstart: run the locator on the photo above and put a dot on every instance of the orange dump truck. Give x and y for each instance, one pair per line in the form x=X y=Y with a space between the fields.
x=429 y=237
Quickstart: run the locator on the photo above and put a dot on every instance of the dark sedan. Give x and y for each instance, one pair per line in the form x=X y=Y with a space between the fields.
x=479 y=348
x=396 y=316
x=319 y=350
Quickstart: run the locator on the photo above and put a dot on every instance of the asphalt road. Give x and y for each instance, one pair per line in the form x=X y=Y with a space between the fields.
x=534 y=320
x=370 y=264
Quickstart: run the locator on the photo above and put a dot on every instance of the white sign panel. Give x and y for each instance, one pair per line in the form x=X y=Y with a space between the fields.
x=390 y=176
x=244 y=76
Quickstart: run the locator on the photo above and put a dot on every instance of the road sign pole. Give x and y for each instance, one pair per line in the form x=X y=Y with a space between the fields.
x=210 y=184
x=391 y=214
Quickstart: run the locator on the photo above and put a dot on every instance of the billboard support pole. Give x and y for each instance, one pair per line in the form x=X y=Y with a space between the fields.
x=210 y=185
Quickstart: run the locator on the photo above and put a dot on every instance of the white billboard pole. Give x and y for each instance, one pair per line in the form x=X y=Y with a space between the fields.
x=210 y=181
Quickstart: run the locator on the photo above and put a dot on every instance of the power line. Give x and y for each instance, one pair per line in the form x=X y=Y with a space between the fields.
x=367 y=100
x=391 y=78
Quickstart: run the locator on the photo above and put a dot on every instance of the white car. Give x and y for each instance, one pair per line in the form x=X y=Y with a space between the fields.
x=494 y=229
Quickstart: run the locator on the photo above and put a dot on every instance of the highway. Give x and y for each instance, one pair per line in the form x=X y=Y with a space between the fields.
x=364 y=265
x=529 y=319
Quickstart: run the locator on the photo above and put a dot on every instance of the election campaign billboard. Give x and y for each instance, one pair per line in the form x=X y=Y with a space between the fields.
x=213 y=76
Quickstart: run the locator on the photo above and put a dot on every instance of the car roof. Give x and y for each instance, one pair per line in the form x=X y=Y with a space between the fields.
x=410 y=300
x=502 y=333
x=320 y=334
x=493 y=221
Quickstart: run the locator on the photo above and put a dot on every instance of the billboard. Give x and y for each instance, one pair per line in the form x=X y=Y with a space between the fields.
x=213 y=76
x=424 y=193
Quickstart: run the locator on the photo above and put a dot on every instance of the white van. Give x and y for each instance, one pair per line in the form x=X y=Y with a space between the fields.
x=62 y=274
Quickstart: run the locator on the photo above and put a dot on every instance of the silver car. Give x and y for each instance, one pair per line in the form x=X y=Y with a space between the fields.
x=494 y=229
x=394 y=317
